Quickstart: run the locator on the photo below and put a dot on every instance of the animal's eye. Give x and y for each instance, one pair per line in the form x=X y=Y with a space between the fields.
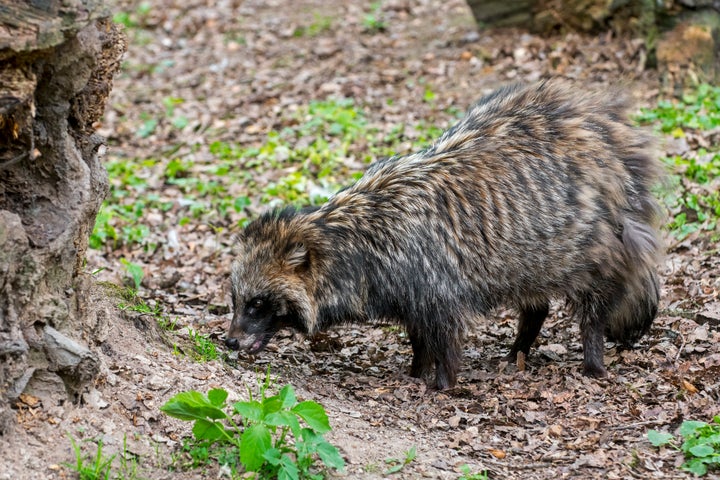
x=256 y=303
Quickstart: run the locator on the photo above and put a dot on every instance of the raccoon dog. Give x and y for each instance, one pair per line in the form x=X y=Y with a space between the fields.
x=539 y=192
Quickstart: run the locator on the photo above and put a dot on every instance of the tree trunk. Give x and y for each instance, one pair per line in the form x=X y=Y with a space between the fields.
x=57 y=59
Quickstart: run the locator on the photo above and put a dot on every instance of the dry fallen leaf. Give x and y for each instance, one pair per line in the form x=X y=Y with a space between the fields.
x=29 y=400
x=497 y=453
x=521 y=361
x=689 y=386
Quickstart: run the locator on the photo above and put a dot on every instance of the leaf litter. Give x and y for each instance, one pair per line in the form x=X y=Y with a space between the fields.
x=233 y=72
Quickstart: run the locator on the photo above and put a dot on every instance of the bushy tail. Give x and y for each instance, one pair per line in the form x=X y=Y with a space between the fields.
x=635 y=311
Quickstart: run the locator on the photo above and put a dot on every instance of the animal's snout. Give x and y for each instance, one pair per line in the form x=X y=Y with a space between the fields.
x=232 y=343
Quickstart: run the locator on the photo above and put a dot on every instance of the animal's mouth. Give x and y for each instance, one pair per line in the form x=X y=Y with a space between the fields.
x=258 y=342
x=250 y=342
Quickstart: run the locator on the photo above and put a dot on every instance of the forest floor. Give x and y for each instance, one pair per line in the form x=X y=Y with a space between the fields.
x=224 y=108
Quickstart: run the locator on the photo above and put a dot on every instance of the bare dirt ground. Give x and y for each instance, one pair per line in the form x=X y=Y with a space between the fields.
x=239 y=68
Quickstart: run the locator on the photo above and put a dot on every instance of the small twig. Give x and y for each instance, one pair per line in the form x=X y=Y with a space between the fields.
x=526 y=466
x=677 y=357
x=629 y=426
x=13 y=161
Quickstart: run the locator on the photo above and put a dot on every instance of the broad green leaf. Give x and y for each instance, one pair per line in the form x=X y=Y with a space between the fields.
x=311 y=438
x=330 y=456
x=217 y=396
x=288 y=469
x=206 y=430
x=696 y=466
x=702 y=450
x=251 y=410
x=180 y=122
x=135 y=271
x=287 y=397
x=272 y=455
x=659 y=438
x=254 y=442
x=283 y=419
x=314 y=415
x=192 y=405
x=272 y=404
x=394 y=468
x=147 y=128
x=688 y=427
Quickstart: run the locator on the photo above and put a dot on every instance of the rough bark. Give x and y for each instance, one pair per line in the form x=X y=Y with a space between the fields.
x=57 y=59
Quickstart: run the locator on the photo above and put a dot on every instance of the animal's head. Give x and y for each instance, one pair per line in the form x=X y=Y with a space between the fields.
x=272 y=281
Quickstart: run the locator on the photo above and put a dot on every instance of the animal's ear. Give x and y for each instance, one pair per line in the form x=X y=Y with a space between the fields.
x=237 y=244
x=297 y=256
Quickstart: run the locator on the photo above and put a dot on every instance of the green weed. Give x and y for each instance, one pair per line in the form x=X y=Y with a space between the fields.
x=701 y=444
x=134 y=271
x=373 y=21
x=698 y=110
x=94 y=468
x=467 y=474
x=136 y=18
x=320 y=24
x=100 y=467
x=262 y=435
x=140 y=306
x=203 y=346
x=693 y=199
x=128 y=469
x=395 y=465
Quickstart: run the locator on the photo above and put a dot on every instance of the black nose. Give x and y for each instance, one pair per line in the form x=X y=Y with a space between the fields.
x=232 y=343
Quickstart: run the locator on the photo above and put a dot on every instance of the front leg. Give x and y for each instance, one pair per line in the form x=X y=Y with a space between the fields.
x=422 y=361
x=529 y=325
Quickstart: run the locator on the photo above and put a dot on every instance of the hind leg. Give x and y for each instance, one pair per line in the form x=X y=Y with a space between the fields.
x=531 y=320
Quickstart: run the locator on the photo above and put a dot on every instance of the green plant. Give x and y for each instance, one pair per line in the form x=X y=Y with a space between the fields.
x=177 y=121
x=134 y=19
x=701 y=444
x=148 y=126
x=135 y=272
x=268 y=439
x=128 y=469
x=104 y=230
x=372 y=21
x=203 y=346
x=698 y=109
x=320 y=24
x=96 y=468
x=395 y=465
x=467 y=474
x=693 y=200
